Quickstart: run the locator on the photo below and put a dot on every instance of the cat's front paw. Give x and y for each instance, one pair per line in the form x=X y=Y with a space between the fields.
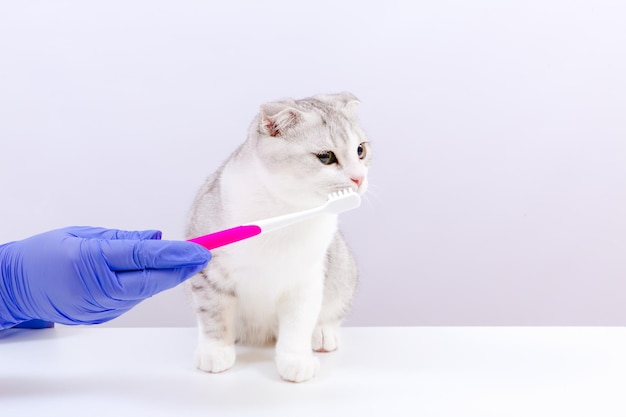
x=297 y=368
x=214 y=358
x=325 y=338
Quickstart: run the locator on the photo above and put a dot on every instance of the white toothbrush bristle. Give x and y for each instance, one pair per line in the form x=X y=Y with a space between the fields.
x=343 y=200
x=340 y=193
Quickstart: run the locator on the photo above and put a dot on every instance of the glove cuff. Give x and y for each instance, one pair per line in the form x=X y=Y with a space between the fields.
x=10 y=314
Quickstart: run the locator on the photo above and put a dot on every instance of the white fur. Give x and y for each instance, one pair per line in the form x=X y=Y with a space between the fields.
x=276 y=286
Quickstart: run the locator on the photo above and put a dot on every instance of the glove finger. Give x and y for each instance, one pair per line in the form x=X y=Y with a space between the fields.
x=112 y=234
x=138 y=285
x=127 y=255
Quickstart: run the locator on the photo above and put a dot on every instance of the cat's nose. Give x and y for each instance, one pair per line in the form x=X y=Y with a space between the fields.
x=357 y=181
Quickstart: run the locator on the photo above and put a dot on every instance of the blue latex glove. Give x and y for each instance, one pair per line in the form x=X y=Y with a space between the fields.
x=86 y=275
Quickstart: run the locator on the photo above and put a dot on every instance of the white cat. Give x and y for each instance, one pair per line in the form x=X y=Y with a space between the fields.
x=295 y=285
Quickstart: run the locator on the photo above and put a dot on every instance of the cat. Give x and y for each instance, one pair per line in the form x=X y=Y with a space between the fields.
x=293 y=286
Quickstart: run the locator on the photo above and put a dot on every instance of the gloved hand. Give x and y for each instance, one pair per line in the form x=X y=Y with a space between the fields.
x=85 y=275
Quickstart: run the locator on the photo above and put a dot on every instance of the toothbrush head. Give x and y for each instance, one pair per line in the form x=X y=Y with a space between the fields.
x=343 y=200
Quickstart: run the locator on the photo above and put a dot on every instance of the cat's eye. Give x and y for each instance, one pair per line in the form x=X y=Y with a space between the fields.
x=361 y=150
x=327 y=158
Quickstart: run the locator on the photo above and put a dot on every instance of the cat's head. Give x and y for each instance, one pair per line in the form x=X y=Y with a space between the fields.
x=313 y=147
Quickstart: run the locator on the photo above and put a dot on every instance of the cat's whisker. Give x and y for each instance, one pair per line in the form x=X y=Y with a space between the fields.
x=372 y=194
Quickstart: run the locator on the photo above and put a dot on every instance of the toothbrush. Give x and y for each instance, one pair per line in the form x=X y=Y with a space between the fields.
x=338 y=202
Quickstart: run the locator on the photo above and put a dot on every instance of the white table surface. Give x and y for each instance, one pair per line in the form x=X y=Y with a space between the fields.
x=425 y=371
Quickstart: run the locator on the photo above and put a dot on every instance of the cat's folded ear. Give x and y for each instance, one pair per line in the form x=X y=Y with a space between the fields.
x=277 y=118
x=351 y=105
x=345 y=102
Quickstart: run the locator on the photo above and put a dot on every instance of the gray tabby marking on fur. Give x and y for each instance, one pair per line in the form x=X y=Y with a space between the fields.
x=293 y=286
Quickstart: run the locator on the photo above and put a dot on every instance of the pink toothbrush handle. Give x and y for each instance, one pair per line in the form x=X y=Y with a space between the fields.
x=225 y=237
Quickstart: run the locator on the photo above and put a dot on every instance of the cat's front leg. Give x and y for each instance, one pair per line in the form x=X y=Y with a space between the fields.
x=214 y=355
x=326 y=337
x=339 y=287
x=297 y=317
x=215 y=351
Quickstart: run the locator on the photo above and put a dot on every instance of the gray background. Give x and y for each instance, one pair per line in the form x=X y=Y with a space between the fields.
x=498 y=191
